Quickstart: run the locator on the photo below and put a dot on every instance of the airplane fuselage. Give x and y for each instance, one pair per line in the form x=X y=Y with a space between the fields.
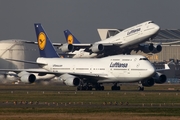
x=120 y=68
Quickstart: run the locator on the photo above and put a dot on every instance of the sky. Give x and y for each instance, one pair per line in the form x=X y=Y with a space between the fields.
x=82 y=17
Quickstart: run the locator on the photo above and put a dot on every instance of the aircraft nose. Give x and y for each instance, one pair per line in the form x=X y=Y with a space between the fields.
x=151 y=70
x=156 y=27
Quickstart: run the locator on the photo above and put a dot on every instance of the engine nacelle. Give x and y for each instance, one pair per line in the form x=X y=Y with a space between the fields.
x=97 y=48
x=160 y=78
x=148 y=82
x=66 y=47
x=28 y=78
x=147 y=48
x=70 y=80
x=157 y=49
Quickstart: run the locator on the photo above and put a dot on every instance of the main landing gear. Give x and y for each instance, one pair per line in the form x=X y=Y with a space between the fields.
x=84 y=87
x=115 y=87
x=99 y=87
x=90 y=87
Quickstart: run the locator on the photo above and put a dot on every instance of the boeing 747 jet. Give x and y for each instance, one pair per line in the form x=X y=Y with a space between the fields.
x=122 y=43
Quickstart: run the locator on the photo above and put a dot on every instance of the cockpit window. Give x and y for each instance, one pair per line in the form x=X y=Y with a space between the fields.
x=150 y=22
x=143 y=59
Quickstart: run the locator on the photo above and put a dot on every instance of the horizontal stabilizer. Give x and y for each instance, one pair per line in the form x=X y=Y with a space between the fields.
x=54 y=44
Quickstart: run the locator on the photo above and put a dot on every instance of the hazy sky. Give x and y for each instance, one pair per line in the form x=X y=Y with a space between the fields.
x=82 y=17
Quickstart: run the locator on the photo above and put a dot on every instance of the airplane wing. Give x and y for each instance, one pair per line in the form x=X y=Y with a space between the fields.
x=40 y=70
x=82 y=45
x=89 y=45
x=43 y=71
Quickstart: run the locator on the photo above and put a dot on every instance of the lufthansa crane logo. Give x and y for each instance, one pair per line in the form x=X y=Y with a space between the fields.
x=42 y=40
x=70 y=39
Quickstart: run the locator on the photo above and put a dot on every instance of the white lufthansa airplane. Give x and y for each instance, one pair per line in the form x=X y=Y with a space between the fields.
x=122 y=43
x=92 y=73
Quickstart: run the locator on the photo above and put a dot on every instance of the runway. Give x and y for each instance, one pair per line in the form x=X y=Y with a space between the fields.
x=128 y=87
x=46 y=99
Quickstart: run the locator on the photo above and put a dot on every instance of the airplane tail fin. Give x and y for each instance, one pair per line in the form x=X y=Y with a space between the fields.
x=46 y=48
x=70 y=38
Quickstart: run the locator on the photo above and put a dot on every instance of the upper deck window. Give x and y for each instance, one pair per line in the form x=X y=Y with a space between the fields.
x=150 y=22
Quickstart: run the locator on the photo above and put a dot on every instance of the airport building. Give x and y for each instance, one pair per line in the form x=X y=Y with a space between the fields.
x=17 y=49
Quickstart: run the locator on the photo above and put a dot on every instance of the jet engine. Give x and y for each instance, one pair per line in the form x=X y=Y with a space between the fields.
x=97 y=48
x=28 y=78
x=157 y=49
x=66 y=47
x=70 y=80
x=148 y=82
x=147 y=48
x=160 y=78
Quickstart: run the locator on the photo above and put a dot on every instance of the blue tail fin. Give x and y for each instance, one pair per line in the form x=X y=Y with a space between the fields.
x=70 y=37
x=46 y=48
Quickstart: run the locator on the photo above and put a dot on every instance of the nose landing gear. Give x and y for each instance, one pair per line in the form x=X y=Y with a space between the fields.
x=140 y=86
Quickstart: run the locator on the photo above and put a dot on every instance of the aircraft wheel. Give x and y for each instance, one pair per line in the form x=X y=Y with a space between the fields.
x=113 y=88
x=86 y=87
x=141 y=88
x=79 y=88
x=89 y=88
x=102 y=87
x=96 y=88
x=99 y=87
x=118 y=88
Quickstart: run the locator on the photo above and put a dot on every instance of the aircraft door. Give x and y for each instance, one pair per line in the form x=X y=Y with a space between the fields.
x=137 y=66
x=117 y=72
x=127 y=72
x=73 y=68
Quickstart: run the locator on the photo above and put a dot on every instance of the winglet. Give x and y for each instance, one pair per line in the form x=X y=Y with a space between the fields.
x=46 y=48
x=166 y=67
x=70 y=38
